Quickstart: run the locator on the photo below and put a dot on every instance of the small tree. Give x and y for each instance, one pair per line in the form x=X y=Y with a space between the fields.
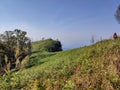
x=14 y=46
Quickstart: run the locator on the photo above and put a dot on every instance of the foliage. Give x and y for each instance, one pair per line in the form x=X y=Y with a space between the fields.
x=49 y=45
x=35 y=59
x=14 y=46
x=88 y=68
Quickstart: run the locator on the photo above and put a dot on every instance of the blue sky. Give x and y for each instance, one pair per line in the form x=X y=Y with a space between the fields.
x=73 y=22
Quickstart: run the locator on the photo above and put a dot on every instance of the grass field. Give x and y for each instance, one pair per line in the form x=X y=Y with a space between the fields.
x=94 y=67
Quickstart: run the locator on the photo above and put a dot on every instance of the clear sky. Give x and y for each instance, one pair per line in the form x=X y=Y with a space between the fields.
x=73 y=22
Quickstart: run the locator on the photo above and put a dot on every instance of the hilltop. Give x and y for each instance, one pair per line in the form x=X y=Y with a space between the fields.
x=94 y=67
x=48 y=45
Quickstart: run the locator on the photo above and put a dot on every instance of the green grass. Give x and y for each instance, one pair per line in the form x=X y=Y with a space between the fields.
x=49 y=45
x=88 y=68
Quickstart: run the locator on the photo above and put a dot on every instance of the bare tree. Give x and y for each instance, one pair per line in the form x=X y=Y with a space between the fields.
x=117 y=14
x=92 y=39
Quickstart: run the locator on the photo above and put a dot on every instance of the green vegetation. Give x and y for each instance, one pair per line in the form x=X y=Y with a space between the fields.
x=95 y=67
x=49 y=45
x=14 y=47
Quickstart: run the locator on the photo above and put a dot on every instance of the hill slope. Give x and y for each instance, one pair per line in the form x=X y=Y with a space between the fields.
x=94 y=67
x=49 y=45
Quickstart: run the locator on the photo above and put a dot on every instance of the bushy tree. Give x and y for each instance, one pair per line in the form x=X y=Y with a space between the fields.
x=14 y=46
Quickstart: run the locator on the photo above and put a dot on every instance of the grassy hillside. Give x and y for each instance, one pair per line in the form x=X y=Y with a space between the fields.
x=95 y=67
x=49 y=45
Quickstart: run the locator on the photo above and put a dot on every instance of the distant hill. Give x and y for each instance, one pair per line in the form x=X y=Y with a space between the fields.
x=95 y=67
x=49 y=45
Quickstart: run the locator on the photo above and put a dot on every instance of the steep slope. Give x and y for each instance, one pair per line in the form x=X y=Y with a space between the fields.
x=95 y=67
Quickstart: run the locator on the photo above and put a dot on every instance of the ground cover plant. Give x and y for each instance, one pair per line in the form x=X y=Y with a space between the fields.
x=94 y=67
